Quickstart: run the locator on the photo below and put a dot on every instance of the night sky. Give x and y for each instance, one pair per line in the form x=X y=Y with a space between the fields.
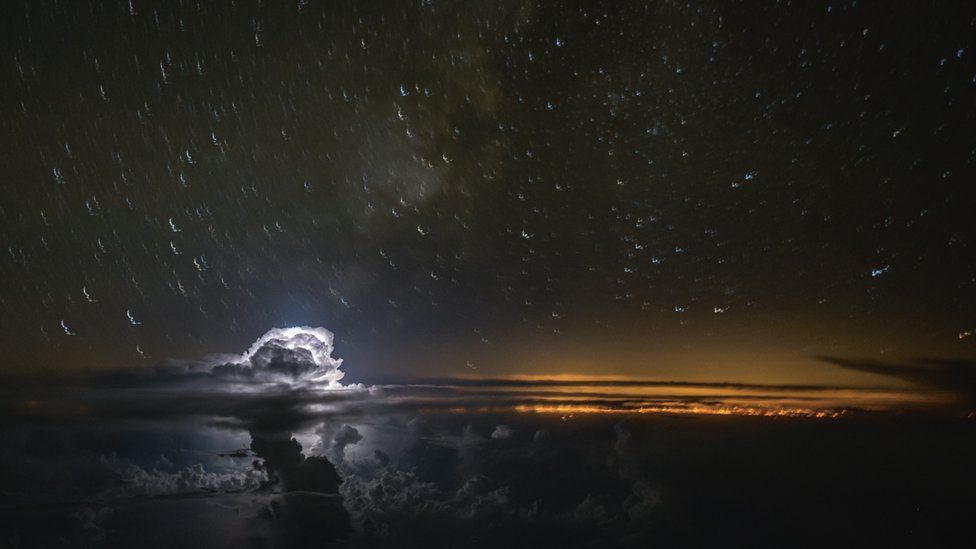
x=657 y=188
x=487 y=274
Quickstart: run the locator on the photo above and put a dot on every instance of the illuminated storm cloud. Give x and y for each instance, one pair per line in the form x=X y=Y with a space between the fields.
x=299 y=356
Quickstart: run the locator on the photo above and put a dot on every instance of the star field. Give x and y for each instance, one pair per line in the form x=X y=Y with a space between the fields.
x=178 y=177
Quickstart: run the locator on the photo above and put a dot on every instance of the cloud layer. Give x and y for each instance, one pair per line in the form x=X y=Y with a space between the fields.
x=488 y=461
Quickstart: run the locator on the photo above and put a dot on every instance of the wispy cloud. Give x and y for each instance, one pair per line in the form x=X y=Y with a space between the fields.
x=953 y=378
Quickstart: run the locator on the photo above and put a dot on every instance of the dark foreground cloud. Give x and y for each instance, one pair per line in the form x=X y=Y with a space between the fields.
x=441 y=479
x=953 y=377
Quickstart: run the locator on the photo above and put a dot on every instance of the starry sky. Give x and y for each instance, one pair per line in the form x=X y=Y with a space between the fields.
x=717 y=190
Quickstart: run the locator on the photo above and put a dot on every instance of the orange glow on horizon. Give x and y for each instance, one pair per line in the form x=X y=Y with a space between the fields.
x=722 y=410
x=569 y=394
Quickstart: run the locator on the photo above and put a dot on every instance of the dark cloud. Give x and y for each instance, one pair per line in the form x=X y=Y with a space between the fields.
x=288 y=469
x=439 y=478
x=347 y=435
x=133 y=480
x=955 y=377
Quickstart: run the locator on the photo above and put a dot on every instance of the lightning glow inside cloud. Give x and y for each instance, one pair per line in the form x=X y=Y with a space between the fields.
x=295 y=356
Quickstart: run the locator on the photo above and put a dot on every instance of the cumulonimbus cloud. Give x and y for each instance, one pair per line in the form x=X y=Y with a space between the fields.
x=299 y=355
